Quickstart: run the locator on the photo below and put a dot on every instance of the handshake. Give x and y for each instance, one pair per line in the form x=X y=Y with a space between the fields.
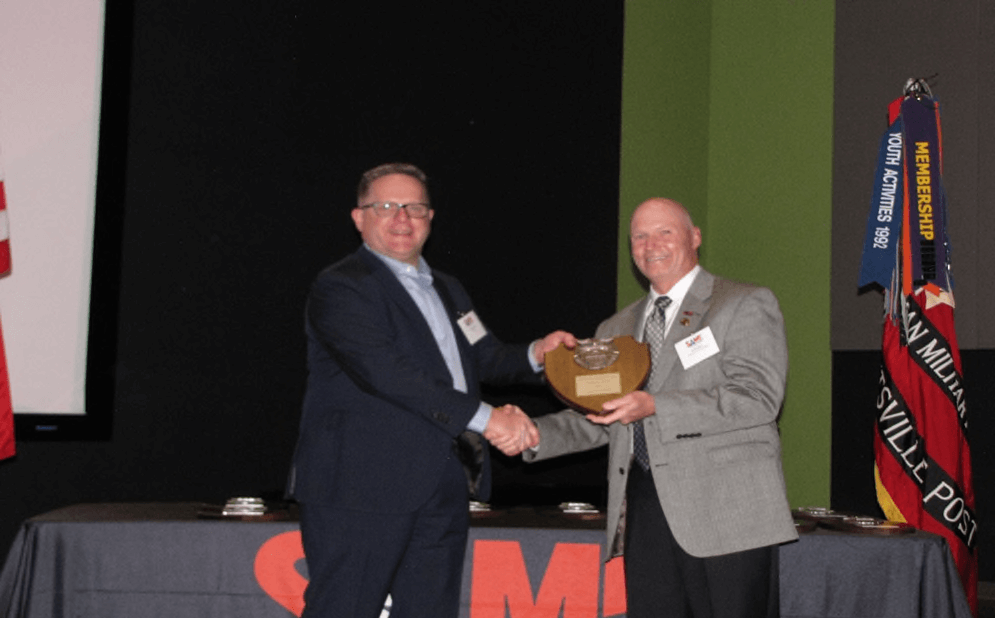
x=511 y=430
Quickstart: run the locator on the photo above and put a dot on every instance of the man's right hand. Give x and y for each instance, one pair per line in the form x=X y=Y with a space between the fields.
x=511 y=430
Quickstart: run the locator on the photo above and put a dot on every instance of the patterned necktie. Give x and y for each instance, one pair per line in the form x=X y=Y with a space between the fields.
x=653 y=335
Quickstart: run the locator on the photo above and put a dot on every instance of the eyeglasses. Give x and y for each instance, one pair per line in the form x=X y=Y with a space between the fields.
x=416 y=210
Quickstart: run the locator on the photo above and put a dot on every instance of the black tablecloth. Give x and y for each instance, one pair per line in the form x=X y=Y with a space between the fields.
x=161 y=559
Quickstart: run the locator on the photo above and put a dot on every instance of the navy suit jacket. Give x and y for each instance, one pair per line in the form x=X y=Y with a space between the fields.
x=380 y=416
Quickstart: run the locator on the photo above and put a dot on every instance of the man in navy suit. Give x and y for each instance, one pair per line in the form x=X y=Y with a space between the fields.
x=389 y=447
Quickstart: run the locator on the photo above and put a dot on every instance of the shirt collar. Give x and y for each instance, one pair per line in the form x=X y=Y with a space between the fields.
x=421 y=274
x=678 y=291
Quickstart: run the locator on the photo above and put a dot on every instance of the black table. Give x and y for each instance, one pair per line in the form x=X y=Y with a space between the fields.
x=161 y=559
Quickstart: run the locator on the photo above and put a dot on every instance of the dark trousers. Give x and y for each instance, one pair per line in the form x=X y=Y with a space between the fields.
x=356 y=558
x=662 y=580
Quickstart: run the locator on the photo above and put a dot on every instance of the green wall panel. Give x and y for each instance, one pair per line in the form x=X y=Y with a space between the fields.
x=727 y=107
x=664 y=150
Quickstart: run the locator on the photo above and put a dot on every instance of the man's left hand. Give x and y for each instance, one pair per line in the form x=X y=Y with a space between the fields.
x=627 y=409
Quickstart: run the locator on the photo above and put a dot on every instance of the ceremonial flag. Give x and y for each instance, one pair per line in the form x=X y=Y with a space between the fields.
x=6 y=408
x=4 y=229
x=921 y=453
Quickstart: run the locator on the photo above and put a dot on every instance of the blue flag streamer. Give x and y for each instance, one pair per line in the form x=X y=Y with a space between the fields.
x=884 y=223
x=927 y=201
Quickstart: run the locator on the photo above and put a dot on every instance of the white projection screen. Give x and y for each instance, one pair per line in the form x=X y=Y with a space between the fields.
x=50 y=91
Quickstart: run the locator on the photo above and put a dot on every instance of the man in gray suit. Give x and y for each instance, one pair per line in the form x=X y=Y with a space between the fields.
x=696 y=498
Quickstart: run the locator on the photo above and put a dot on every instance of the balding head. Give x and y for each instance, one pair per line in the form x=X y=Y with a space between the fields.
x=664 y=242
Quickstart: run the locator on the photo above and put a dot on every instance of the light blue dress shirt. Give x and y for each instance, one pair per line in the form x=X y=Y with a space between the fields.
x=418 y=283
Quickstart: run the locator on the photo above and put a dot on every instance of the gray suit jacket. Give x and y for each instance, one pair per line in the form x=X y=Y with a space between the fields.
x=713 y=443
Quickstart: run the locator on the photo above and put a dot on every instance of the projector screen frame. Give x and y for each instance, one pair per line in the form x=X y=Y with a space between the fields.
x=96 y=424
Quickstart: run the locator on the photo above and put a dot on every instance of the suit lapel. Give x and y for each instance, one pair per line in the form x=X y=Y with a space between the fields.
x=461 y=342
x=470 y=447
x=690 y=315
x=692 y=311
x=639 y=317
x=395 y=291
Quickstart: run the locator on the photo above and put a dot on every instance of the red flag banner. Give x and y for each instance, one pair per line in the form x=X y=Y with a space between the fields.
x=4 y=229
x=921 y=452
x=6 y=408
x=7 y=448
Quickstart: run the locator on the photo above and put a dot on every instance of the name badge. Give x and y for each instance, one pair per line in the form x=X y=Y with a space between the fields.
x=696 y=348
x=473 y=329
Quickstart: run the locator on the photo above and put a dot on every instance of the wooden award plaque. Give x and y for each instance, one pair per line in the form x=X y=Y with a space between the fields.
x=586 y=389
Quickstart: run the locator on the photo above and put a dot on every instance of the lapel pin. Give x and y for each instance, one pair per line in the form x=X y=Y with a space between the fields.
x=685 y=321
